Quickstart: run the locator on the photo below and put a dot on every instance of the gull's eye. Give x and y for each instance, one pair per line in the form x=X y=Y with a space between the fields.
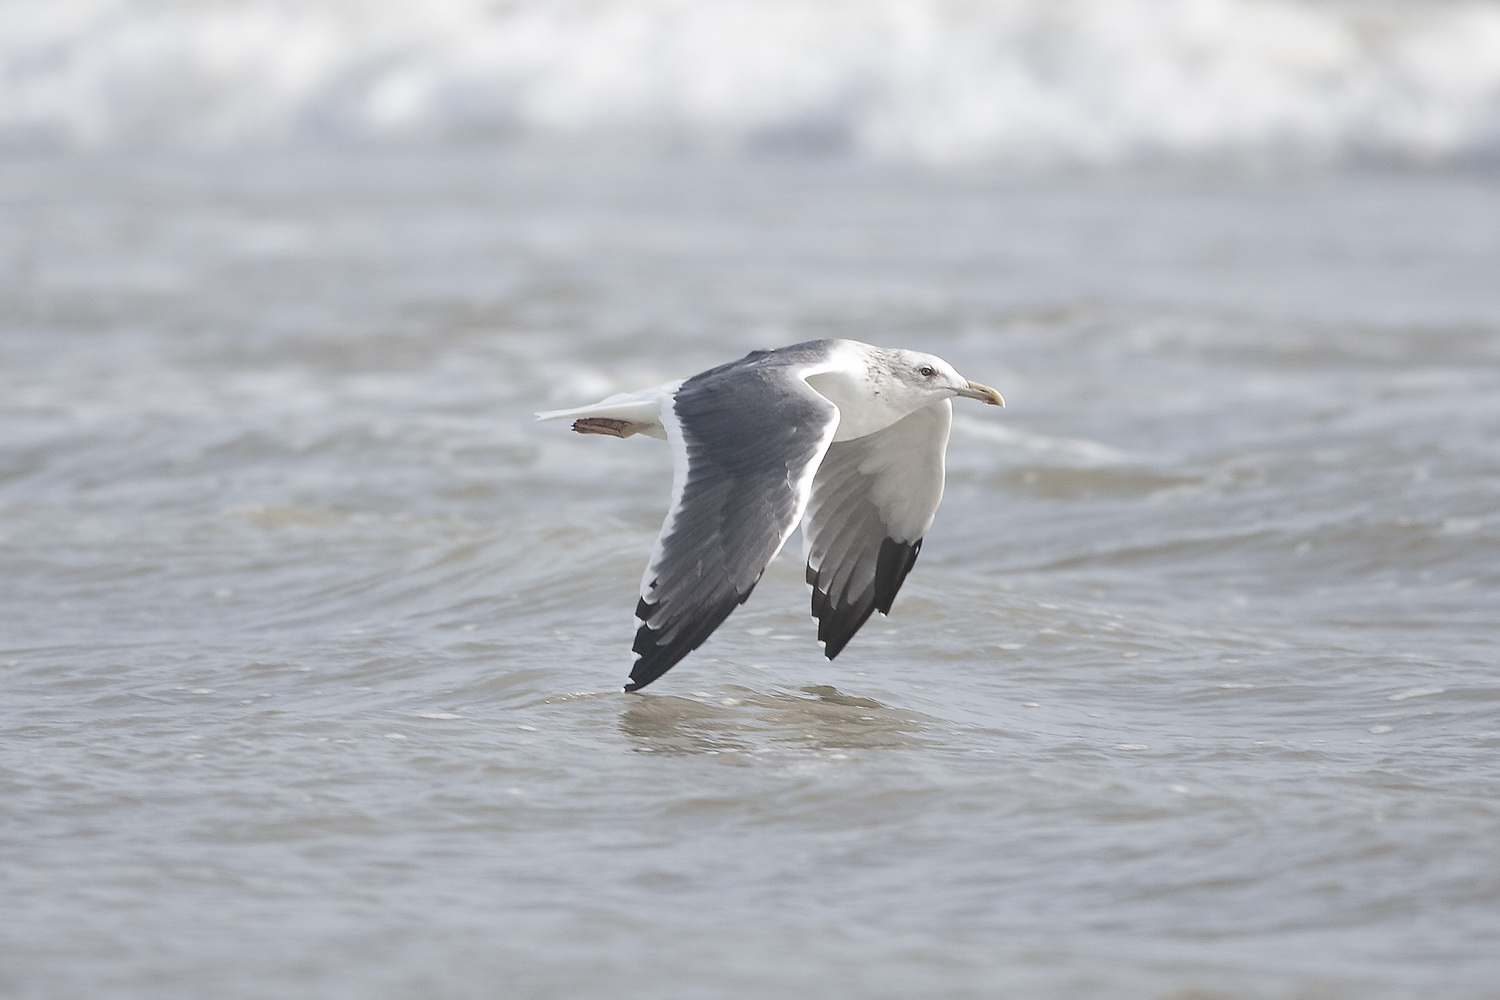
x=926 y=371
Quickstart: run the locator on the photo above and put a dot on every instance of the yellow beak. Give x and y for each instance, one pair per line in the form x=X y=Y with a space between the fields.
x=983 y=393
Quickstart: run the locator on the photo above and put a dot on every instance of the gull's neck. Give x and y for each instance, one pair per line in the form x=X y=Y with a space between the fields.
x=855 y=382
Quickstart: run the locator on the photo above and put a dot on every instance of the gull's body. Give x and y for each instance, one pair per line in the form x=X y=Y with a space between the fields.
x=849 y=435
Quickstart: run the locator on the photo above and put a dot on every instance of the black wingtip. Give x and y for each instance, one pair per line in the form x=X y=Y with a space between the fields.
x=895 y=561
x=837 y=623
x=660 y=649
x=839 y=627
x=651 y=660
x=639 y=678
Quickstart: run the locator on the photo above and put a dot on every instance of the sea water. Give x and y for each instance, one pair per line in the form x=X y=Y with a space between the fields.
x=312 y=641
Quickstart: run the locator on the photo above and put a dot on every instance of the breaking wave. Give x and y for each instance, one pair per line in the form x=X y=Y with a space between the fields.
x=952 y=82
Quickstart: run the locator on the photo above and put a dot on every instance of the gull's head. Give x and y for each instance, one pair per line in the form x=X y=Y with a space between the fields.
x=930 y=375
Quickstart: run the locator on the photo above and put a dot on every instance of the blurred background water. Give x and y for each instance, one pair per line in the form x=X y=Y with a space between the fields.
x=311 y=641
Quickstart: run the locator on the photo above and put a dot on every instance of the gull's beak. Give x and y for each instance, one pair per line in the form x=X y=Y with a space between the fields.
x=983 y=393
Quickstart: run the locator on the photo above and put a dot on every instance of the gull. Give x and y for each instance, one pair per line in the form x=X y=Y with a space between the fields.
x=847 y=435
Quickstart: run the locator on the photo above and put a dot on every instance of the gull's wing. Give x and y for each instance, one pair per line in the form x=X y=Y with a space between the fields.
x=872 y=501
x=747 y=438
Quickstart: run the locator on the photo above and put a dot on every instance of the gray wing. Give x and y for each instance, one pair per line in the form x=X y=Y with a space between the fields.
x=872 y=501
x=748 y=437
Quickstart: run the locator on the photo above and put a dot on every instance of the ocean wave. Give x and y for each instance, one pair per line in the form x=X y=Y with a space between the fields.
x=955 y=82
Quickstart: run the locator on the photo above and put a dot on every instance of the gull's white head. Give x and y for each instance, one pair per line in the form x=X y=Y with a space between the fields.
x=874 y=387
x=927 y=376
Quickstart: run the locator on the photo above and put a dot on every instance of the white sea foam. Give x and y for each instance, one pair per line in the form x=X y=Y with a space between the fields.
x=1072 y=448
x=938 y=81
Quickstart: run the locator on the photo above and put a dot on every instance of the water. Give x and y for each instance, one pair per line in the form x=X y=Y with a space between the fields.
x=312 y=641
x=927 y=81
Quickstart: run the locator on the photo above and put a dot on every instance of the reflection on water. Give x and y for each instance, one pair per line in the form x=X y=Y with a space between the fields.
x=746 y=721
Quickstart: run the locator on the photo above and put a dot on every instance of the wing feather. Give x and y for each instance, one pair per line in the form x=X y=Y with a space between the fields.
x=872 y=501
x=747 y=439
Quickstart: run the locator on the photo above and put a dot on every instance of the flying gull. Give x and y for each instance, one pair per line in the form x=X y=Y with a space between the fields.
x=850 y=435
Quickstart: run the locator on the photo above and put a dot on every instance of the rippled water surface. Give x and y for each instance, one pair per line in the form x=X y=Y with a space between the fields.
x=311 y=642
